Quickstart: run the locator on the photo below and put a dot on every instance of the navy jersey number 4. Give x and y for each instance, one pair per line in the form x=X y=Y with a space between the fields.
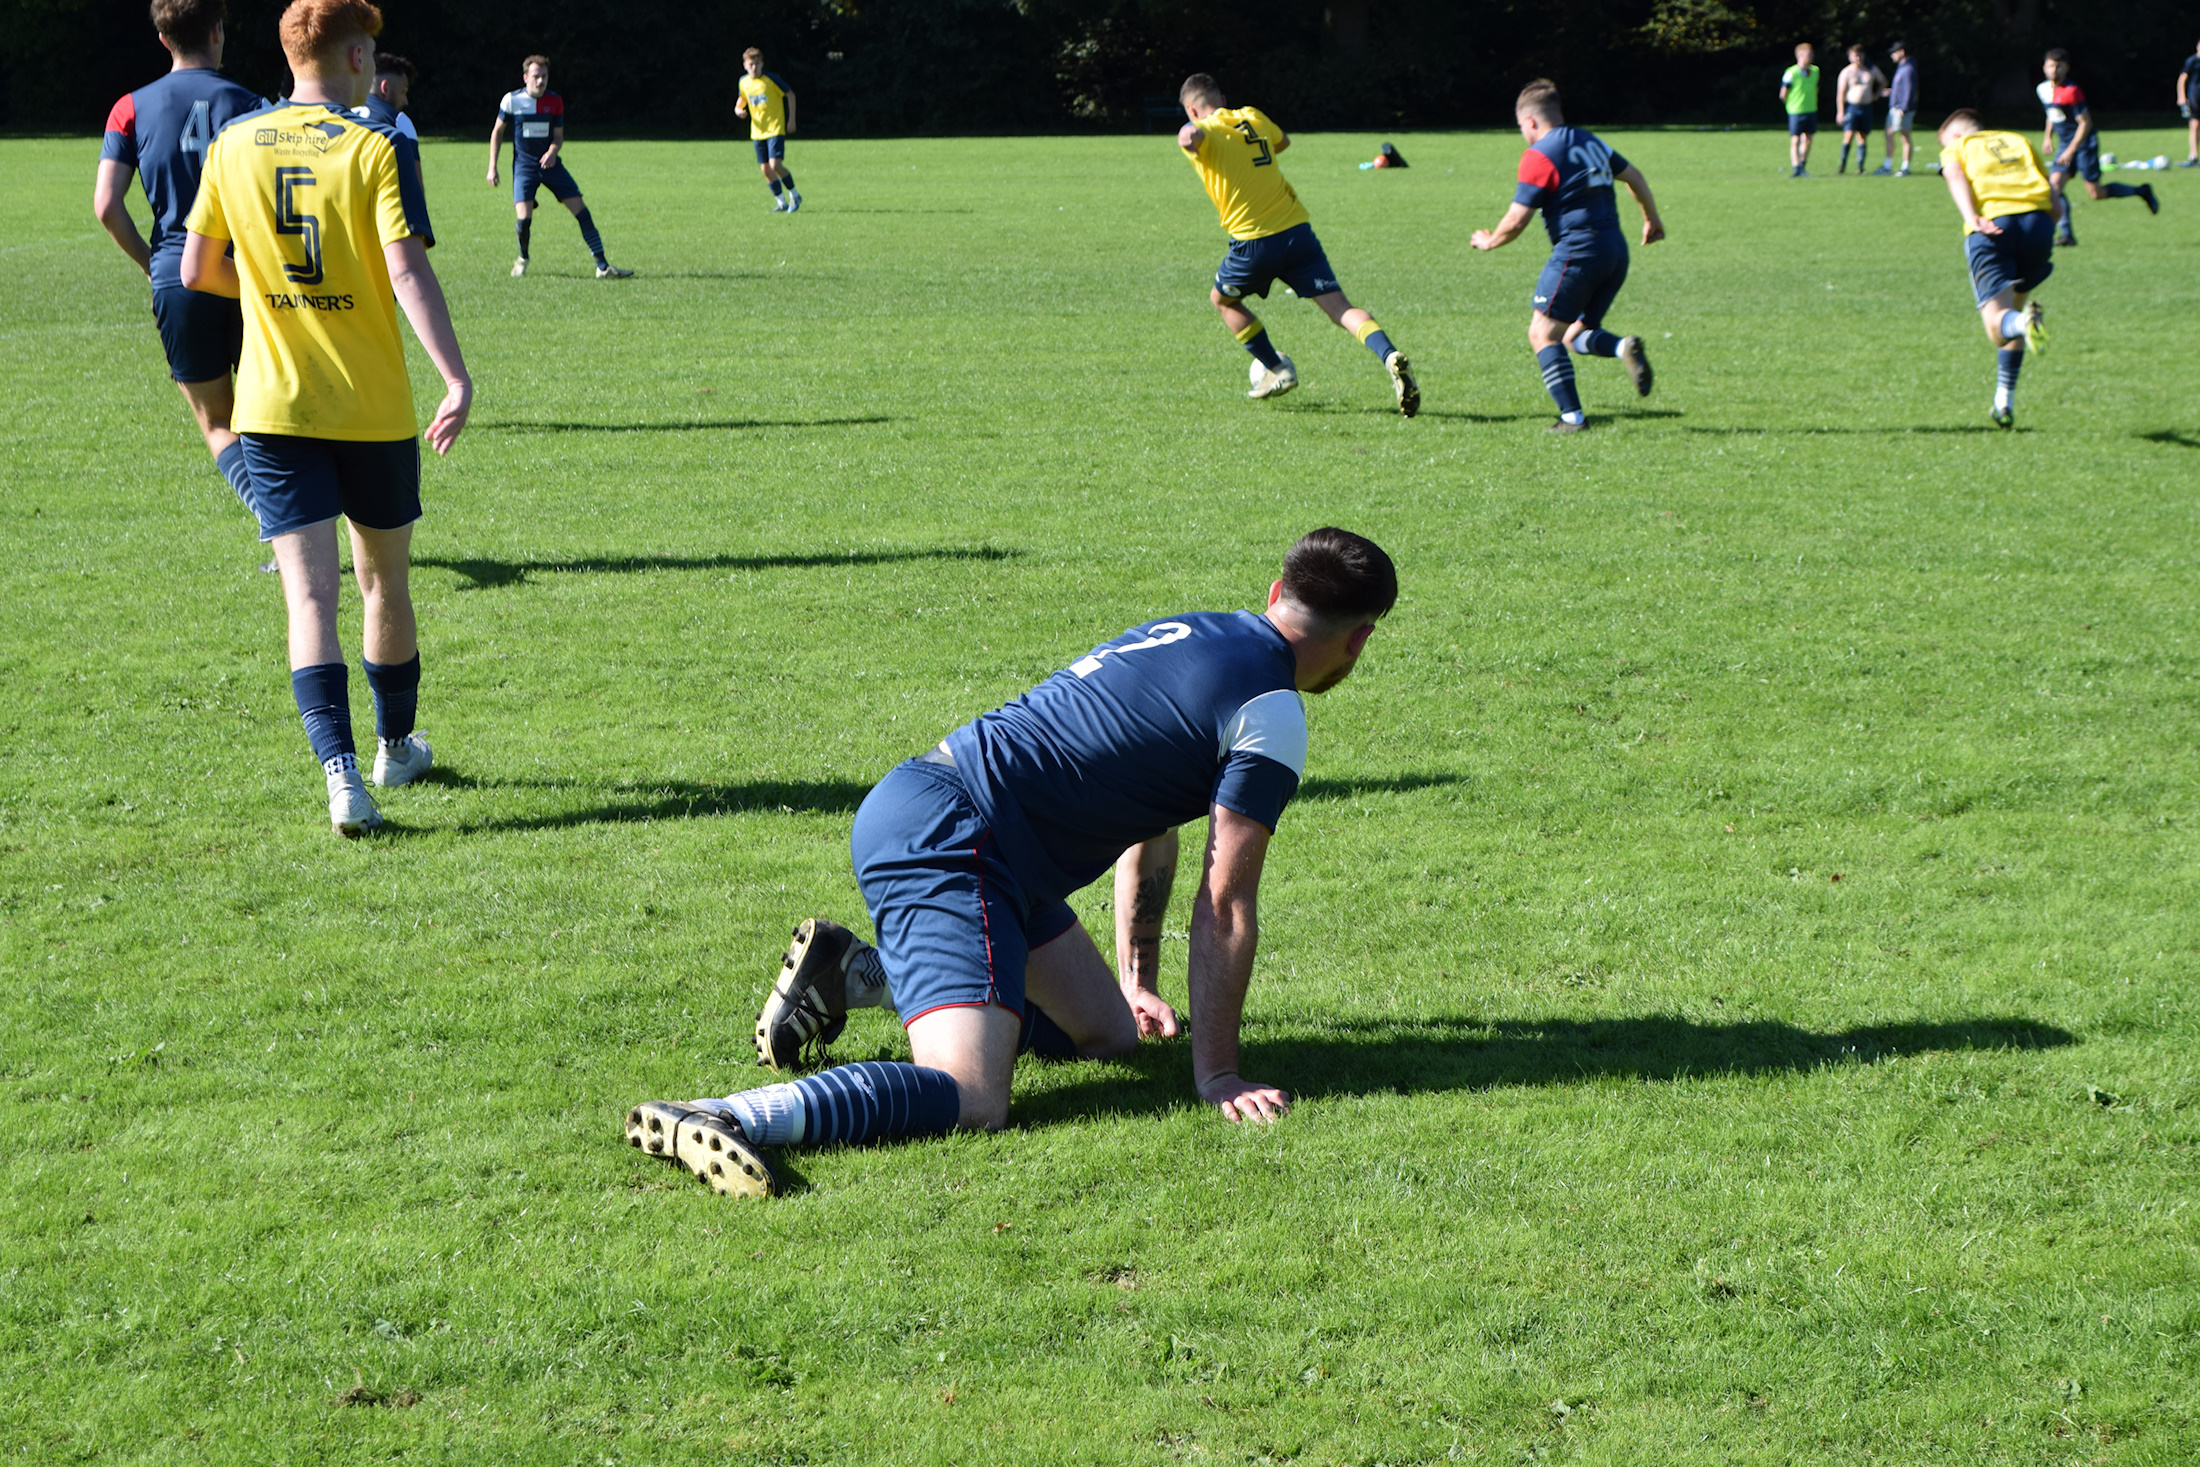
x=1140 y=735
x=163 y=131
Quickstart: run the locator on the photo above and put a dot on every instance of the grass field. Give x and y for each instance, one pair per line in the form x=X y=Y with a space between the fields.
x=1734 y=949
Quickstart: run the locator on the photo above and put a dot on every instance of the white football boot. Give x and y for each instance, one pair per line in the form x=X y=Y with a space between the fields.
x=401 y=761
x=351 y=811
x=1276 y=383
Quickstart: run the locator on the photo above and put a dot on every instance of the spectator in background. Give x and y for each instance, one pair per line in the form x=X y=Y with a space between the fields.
x=1901 y=110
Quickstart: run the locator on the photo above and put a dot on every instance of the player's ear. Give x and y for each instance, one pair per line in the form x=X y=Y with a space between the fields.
x=1275 y=593
x=1358 y=639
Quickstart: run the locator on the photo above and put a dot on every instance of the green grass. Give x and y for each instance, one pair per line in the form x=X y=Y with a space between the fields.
x=1734 y=949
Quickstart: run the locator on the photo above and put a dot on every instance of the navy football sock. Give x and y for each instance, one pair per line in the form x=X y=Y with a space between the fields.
x=2119 y=190
x=866 y=1101
x=1254 y=339
x=525 y=228
x=587 y=223
x=774 y=185
x=2007 y=363
x=1597 y=343
x=1043 y=1037
x=1378 y=342
x=396 y=688
x=324 y=703
x=1844 y=158
x=786 y=180
x=1558 y=380
x=231 y=462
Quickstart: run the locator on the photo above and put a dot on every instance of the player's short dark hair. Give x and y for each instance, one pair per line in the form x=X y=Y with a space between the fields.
x=2057 y=53
x=388 y=63
x=310 y=27
x=189 y=23
x=538 y=59
x=1202 y=89
x=1344 y=579
x=1856 y=48
x=1539 y=98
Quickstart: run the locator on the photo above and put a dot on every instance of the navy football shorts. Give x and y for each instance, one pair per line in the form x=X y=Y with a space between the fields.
x=2087 y=162
x=202 y=334
x=954 y=927
x=526 y=180
x=768 y=149
x=1294 y=257
x=309 y=481
x=1857 y=119
x=1802 y=122
x=2018 y=258
x=1579 y=282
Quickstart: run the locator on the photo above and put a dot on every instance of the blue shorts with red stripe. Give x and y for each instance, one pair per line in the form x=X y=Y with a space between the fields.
x=1581 y=279
x=954 y=925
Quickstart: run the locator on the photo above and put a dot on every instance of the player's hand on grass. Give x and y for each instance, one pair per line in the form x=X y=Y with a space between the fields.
x=450 y=416
x=1152 y=1013
x=1242 y=1100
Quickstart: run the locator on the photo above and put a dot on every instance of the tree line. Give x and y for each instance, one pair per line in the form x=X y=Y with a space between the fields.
x=943 y=67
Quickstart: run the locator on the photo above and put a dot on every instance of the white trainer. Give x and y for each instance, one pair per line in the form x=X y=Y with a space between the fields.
x=794 y=201
x=351 y=811
x=401 y=761
x=1276 y=382
x=519 y=267
x=613 y=272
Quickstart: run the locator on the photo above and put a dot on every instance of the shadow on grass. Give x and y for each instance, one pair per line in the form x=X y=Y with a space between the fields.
x=1381 y=1057
x=483 y=572
x=704 y=425
x=2172 y=437
x=1960 y=429
x=1394 y=784
x=669 y=799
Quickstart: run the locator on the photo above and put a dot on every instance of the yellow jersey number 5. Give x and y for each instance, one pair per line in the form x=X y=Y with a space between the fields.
x=1253 y=137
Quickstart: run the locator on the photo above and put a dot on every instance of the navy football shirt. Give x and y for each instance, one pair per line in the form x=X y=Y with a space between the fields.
x=532 y=120
x=378 y=110
x=162 y=131
x=1568 y=175
x=1135 y=738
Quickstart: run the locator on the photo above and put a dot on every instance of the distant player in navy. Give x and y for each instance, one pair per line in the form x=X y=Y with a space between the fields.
x=2075 y=148
x=965 y=855
x=535 y=116
x=2188 y=107
x=393 y=79
x=160 y=132
x=1567 y=174
x=1901 y=111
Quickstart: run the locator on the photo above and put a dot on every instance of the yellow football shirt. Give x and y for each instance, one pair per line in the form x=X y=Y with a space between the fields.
x=308 y=195
x=1236 y=161
x=2005 y=173
x=766 y=96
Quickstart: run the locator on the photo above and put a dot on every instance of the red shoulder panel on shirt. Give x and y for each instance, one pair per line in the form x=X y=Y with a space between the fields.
x=122 y=117
x=2069 y=96
x=1538 y=169
x=551 y=103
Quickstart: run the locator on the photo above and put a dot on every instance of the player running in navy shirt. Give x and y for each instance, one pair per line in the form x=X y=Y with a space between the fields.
x=535 y=116
x=967 y=853
x=160 y=132
x=2077 y=145
x=1567 y=174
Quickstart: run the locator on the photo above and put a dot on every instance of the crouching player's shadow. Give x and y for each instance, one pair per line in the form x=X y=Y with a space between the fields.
x=1460 y=1052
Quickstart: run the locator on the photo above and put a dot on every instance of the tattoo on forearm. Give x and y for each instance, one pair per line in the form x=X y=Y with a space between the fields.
x=1152 y=901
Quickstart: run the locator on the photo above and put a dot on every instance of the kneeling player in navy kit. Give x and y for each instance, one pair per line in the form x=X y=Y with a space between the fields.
x=1567 y=173
x=967 y=853
x=161 y=132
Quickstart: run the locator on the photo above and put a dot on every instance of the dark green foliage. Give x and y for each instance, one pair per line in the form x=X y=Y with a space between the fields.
x=938 y=67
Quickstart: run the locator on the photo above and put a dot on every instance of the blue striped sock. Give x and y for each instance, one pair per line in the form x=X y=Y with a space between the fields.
x=854 y=1104
x=587 y=222
x=396 y=689
x=1558 y=380
x=2007 y=363
x=1597 y=343
x=324 y=705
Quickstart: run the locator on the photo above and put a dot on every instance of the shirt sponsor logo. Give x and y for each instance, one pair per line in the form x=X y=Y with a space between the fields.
x=317 y=138
x=309 y=302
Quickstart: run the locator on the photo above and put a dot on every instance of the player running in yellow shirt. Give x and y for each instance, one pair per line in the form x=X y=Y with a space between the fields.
x=769 y=107
x=327 y=233
x=1234 y=151
x=2002 y=191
